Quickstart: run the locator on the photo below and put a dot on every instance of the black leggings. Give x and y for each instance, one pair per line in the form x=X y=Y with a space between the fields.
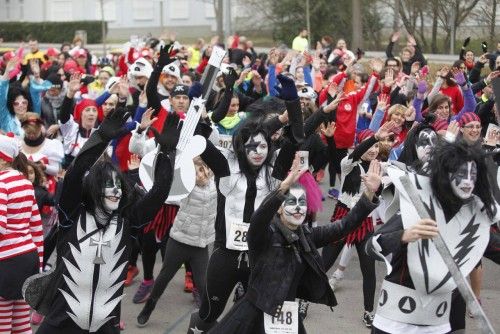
x=176 y=254
x=334 y=163
x=150 y=247
x=225 y=269
x=366 y=263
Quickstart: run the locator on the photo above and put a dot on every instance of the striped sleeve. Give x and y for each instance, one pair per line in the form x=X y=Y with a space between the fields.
x=3 y=209
x=36 y=230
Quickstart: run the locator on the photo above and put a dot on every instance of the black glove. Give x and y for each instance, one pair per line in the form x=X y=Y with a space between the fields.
x=230 y=78
x=288 y=91
x=484 y=46
x=169 y=135
x=113 y=125
x=164 y=57
x=466 y=42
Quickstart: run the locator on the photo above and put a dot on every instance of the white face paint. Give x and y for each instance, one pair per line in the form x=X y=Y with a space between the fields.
x=426 y=141
x=112 y=193
x=295 y=206
x=464 y=180
x=256 y=149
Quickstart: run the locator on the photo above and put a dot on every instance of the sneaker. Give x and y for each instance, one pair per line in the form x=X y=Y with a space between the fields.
x=188 y=282
x=469 y=312
x=143 y=317
x=333 y=193
x=303 y=306
x=131 y=273
x=197 y=297
x=334 y=281
x=368 y=319
x=36 y=318
x=143 y=292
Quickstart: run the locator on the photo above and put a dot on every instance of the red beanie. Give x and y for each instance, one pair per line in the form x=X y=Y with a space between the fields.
x=77 y=114
x=440 y=125
x=468 y=117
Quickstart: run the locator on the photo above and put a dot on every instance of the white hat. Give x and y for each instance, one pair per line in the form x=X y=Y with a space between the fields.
x=111 y=82
x=9 y=148
x=141 y=67
x=307 y=92
x=173 y=70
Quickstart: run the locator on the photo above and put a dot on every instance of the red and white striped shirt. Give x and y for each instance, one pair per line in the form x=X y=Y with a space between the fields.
x=20 y=223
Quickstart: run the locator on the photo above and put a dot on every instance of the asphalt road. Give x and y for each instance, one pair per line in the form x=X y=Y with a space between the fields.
x=173 y=310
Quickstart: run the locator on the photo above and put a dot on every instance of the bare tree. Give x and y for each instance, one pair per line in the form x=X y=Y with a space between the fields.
x=462 y=10
x=486 y=14
x=357 y=24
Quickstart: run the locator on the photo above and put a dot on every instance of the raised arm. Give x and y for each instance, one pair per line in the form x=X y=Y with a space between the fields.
x=220 y=111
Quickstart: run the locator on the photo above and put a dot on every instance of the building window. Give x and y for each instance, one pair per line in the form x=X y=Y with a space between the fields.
x=109 y=10
x=61 y=10
x=179 y=9
x=143 y=10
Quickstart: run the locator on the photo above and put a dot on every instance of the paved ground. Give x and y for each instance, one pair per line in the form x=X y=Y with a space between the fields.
x=174 y=308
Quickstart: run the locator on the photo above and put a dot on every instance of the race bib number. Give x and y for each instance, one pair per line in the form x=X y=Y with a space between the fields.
x=226 y=142
x=286 y=321
x=237 y=238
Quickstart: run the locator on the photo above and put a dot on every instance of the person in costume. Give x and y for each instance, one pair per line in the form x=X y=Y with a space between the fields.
x=353 y=167
x=284 y=259
x=97 y=215
x=416 y=295
x=21 y=244
x=244 y=178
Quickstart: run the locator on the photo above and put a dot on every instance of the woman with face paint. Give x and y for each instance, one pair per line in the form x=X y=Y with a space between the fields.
x=244 y=178
x=284 y=258
x=458 y=195
x=97 y=214
x=353 y=167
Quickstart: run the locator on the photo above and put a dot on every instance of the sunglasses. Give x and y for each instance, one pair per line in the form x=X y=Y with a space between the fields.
x=20 y=103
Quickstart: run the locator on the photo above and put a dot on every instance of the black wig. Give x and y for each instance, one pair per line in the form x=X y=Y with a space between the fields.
x=446 y=158
x=251 y=127
x=409 y=153
x=93 y=186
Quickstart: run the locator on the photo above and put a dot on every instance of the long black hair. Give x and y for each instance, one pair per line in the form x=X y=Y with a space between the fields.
x=446 y=158
x=94 y=182
x=409 y=153
x=252 y=127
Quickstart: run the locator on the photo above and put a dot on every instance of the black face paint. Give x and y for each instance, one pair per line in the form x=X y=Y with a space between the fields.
x=252 y=145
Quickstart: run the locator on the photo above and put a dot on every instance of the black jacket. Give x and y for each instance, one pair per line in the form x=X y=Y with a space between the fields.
x=272 y=253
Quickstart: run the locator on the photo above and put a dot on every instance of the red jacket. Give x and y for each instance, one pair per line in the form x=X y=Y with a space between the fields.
x=347 y=112
x=455 y=94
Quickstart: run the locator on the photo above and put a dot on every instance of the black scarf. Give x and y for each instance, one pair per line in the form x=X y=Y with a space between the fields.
x=34 y=142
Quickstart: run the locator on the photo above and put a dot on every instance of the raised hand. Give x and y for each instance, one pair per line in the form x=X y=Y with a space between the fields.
x=288 y=89
x=169 y=136
x=230 y=78
x=466 y=42
x=164 y=56
x=410 y=114
x=334 y=104
x=146 y=119
x=373 y=178
x=458 y=75
x=452 y=132
x=395 y=36
x=11 y=65
x=74 y=84
x=134 y=162
x=424 y=229
x=385 y=130
x=112 y=126
x=329 y=130
x=123 y=88
x=295 y=173
x=382 y=102
x=389 y=77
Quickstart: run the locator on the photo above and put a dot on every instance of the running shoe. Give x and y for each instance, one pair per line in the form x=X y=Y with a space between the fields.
x=131 y=273
x=334 y=281
x=143 y=292
x=188 y=282
x=368 y=319
x=303 y=306
x=143 y=317
x=333 y=193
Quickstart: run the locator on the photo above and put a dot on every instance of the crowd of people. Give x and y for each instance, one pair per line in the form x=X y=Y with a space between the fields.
x=75 y=209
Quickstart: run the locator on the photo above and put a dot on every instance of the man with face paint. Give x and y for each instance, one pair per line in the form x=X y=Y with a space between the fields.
x=97 y=214
x=284 y=258
x=458 y=196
